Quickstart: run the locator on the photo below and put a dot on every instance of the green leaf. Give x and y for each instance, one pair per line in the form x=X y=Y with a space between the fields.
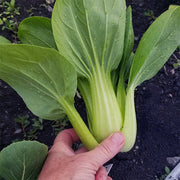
x=90 y=33
x=22 y=160
x=12 y=3
x=36 y=31
x=124 y=67
x=176 y=65
x=156 y=46
x=167 y=170
x=173 y=6
x=41 y=76
x=128 y=43
x=3 y=40
x=128 y=66
x=121 y=88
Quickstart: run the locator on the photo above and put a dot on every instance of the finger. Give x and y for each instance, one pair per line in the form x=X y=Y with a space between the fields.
x=81 y=150
x=101 y=174
x=64 y=140
x=107 y=149
x=67 y=136
x=109 y=178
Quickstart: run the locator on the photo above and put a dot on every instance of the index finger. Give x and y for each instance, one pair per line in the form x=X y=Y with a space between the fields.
x=67 y=137
x=64 y=140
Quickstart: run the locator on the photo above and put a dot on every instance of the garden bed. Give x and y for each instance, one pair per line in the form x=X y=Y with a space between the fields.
x=157 y=104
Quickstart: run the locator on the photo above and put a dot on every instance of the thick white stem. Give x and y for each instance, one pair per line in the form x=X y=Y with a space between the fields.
x=106 y=116
x=129 y=127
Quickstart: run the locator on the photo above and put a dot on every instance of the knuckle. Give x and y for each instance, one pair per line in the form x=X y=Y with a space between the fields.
x=106 y=150
x=86 y=161
x=83 y=158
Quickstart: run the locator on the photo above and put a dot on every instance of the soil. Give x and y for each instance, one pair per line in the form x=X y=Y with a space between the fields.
x=157 y=105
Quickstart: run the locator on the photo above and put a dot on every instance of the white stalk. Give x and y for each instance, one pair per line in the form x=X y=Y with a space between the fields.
x=129 y=127
x=106 y=117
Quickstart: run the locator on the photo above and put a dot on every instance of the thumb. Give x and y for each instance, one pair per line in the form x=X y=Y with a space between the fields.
x=107 y=149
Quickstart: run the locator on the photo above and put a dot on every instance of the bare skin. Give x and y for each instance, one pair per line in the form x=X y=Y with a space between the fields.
x=63 y=163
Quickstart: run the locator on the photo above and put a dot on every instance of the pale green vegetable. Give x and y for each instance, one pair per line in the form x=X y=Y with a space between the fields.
x=95 y=53
x=45 y=80
x=91 y=35
x=156 y=46
x=124 y=67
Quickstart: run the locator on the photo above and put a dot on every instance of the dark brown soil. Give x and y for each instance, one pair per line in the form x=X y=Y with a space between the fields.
x=157 y=106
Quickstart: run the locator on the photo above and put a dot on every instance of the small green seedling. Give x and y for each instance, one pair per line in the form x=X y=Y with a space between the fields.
x=167 y=171
x=8 y=15
x=177 y=64
x=30 y=11
x=24 y=122
x=149 y=13
x=37 y=126
x=60 y=125
x=30 y=128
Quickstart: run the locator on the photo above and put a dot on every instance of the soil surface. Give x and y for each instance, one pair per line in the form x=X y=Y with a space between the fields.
x=157 y=104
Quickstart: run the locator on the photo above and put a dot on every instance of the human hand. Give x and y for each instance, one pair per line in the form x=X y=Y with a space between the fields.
x=63 y=163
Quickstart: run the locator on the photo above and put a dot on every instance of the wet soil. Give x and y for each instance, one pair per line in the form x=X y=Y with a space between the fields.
x=157 y=105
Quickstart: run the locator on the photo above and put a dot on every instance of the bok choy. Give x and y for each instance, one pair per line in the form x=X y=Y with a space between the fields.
x=91 y=48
